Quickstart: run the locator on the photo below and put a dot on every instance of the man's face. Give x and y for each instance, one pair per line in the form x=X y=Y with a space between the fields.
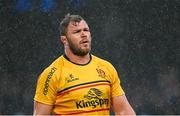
x=79 y=38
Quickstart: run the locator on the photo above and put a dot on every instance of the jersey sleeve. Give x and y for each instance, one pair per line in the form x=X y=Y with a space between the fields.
x=116 y=88
x=46 y=86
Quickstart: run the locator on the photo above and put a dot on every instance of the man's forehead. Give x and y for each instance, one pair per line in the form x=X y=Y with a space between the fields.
x=77 y=24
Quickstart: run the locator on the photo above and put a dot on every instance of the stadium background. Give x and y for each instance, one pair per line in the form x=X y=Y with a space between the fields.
x=141 y=38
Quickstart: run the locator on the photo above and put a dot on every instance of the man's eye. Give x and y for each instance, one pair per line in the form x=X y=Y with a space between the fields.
x=86 y=29
x=77 y=31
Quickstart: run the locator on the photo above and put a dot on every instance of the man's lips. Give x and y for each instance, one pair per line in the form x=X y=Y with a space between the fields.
x=84 y=41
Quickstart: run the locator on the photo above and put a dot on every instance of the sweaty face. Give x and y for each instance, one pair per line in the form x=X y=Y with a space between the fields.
x=79 y=38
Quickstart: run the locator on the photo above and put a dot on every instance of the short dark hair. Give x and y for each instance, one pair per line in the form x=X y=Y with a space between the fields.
x=65 y=22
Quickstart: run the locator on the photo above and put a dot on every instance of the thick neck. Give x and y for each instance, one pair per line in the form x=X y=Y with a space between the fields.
x=81 y=60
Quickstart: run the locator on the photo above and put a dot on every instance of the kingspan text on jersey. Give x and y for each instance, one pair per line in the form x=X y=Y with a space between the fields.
x=92 y=103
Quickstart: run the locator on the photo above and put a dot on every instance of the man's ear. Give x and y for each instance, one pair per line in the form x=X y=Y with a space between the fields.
x=63 y=40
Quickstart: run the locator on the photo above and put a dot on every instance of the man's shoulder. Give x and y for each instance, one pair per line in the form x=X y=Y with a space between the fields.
x=101 y=60
x=102 y=63
x=57 y=62
x=55 y=65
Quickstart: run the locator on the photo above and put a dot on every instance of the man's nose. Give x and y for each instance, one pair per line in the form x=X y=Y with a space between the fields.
x=83 y=33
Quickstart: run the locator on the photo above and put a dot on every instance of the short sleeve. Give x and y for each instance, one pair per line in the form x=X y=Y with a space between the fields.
x=116 y=88
x=46 y=87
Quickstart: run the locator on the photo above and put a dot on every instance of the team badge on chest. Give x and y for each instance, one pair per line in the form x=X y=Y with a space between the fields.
x=101 y=72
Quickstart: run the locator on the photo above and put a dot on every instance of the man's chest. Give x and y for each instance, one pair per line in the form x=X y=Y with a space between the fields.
x=85 y=85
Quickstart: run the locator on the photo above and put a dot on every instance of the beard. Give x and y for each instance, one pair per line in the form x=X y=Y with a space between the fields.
x=77 y=50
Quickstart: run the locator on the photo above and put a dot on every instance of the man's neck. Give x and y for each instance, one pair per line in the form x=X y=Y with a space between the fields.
x=78 y=59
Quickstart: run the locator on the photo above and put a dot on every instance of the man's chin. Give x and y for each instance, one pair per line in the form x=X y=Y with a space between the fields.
x=83 y=52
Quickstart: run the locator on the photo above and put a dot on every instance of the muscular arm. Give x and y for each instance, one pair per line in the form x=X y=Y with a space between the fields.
x=121 y=106
x=41 y=109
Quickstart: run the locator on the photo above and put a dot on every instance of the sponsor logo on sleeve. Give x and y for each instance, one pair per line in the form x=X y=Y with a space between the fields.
x=46 y=85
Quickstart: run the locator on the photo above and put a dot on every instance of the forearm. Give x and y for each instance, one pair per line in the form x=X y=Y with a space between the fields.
x=125 y=111
x=121 y=106
x=41 y=109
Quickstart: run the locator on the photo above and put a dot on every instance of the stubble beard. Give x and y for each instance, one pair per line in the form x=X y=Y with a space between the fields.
x=77 y=50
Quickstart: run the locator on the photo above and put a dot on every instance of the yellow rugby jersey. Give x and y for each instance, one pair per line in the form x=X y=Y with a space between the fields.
x=75 y=89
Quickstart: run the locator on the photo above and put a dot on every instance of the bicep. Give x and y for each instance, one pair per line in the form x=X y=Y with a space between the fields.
x=42 y=109
x=121 y=105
